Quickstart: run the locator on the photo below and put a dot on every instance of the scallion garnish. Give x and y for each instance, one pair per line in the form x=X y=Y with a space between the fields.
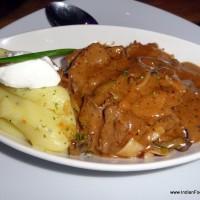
x=31 y=56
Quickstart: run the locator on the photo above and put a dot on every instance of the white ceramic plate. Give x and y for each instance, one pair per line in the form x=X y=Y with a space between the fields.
x=78 y=37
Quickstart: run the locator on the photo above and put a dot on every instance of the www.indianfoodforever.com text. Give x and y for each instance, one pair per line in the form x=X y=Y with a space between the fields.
x=176 y=192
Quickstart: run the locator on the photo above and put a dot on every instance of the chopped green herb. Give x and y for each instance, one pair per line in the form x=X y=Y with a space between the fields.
x=37 y=129
x=56 y=105
x=79 y=137
x=54 y=92
x=125 y=72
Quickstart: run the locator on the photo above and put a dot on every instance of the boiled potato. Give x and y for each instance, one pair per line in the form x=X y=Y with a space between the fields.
x=43 y=127
x=52 y=98
x=7 y=127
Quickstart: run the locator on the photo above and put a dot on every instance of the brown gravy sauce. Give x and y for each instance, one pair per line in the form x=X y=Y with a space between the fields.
x=136 y=93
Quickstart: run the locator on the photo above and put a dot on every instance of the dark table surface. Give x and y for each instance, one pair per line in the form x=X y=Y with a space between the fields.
x=12 y=10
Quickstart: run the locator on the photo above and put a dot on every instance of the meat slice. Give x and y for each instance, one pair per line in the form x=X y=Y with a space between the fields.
x=94 y=65
x=130 y=96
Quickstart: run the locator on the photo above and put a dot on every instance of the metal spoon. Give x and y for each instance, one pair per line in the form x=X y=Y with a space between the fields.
x=60 y=14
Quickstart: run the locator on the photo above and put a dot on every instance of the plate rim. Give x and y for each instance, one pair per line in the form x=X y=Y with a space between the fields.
x=97 y=165
x=87 y=26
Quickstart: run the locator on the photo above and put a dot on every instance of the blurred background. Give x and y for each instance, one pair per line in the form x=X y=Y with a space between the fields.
x=11 y=10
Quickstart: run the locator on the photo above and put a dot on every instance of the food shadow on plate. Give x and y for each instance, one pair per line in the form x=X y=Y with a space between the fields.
x=37 y=162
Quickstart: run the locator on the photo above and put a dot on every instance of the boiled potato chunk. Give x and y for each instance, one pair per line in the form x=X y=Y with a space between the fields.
x=52 y=98
x=42 y=126
x=7 y=127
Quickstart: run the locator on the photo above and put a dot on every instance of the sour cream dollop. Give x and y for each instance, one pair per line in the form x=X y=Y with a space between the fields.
x=35 y=73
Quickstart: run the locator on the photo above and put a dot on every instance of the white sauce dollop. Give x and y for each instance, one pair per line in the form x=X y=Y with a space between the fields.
x=35 y=73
